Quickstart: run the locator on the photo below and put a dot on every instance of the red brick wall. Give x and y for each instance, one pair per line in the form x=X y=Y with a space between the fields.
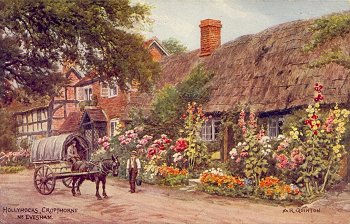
x=114 y=107
x=210 y=36
x=155 y=53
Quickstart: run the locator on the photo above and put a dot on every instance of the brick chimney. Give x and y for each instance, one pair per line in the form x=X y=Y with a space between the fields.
x=210 y=36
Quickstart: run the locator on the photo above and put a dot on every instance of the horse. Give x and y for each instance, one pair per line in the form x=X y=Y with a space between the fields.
x=101 y=169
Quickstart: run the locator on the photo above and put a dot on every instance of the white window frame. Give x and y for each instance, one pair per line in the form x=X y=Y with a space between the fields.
x=104 y=89
x=113 y=90
x=274 y=125
x=107 y=91
x=87 y=97
x=211 y=125
x=113 y=125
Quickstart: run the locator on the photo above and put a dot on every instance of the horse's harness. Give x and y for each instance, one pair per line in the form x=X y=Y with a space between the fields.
x=103 y=169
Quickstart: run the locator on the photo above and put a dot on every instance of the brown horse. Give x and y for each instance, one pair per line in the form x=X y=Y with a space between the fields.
x=99 y=172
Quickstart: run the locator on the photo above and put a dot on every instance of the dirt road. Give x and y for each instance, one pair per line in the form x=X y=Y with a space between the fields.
x=21 y=203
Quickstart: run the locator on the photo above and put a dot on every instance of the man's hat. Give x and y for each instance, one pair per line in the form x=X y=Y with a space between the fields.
x=134 y=153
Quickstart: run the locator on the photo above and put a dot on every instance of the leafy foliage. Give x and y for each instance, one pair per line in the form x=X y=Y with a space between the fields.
x=7 y=132
x=174 y=46
x=11 y=169
x=37 y=36
x=336 y=56
x=325 y=29
x=171 y=102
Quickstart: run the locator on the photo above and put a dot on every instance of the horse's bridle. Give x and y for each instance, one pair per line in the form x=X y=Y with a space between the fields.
x=104 y=168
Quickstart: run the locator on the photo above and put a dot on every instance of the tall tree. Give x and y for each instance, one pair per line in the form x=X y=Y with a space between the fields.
x=174 y=46
x=37 y=36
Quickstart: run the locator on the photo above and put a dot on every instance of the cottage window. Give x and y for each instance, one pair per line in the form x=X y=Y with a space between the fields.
x=274 y=126
x=109 y=90
x=88 y=93
x=114 y=126
x=80 y=93
x=113 y=90
x=210 y=130
x=104 y=89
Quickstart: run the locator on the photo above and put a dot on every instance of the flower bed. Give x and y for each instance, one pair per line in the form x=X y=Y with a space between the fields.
x=171 y=176
x=214 y=181
x=273 y=188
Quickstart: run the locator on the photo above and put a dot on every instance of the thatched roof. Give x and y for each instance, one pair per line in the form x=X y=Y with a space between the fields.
x=268 y=70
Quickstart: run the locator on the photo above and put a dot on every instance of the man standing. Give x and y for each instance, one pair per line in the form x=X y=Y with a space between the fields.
x=133 y=167
x=72 y=153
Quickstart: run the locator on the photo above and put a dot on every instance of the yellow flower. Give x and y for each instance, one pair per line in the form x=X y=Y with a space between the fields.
x=336 y=148
x=338 y=155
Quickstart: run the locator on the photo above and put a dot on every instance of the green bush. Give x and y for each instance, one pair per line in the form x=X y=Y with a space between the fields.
x=7 y=132
x=11 y=169
x=171 y=102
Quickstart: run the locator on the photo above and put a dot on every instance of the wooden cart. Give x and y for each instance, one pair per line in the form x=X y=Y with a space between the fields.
x=49 y=157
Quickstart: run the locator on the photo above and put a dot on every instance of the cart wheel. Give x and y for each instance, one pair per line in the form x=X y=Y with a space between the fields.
x=68 y=182
x=44 y=180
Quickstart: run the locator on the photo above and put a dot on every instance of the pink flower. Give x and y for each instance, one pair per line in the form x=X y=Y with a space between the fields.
x=238 y=160
x=121 y=138
x=282 y=161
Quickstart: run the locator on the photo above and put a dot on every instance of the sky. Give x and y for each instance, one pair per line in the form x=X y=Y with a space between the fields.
x=180 y=19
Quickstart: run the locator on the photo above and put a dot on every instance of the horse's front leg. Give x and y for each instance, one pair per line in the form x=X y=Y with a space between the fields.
x=97 y=180
x=104 y=187
x=73 y=188
x=81 y=180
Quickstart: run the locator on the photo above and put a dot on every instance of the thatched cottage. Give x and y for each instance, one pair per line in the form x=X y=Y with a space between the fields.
x=269 y=71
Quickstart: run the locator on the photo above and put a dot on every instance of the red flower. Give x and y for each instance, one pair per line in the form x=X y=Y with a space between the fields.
x=180 y=145
x=151 y=152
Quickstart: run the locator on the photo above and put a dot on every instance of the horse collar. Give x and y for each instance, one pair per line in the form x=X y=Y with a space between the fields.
x=102 y=169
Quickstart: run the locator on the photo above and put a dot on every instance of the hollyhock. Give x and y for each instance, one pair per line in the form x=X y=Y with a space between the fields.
x=252 y=121
x=151 y=152
x=282 y=161
x=181 y=145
